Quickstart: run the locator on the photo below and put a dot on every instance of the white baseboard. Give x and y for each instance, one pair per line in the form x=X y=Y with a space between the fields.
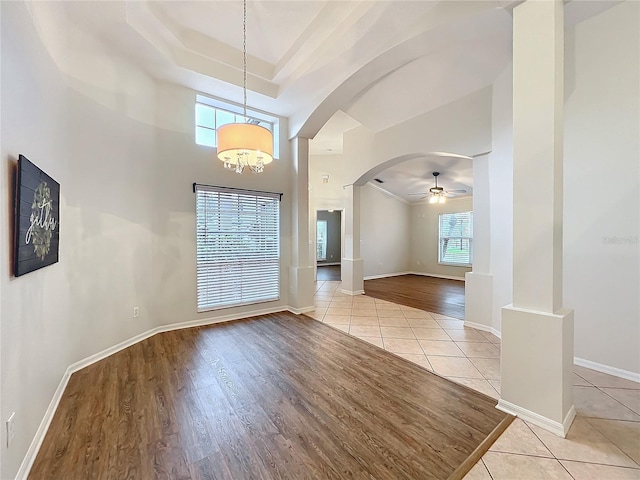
x=36 y=443
x=352 y=292
x=568 y=420
x=484 y=328
x=168 y=328
x=386 y=275
x=397 y=274
x=560 y=429
x=599 y=367
x=300 y=311
x=435 y=275
x=221 y=319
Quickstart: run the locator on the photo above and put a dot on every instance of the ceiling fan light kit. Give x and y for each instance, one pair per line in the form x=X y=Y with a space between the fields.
x=438 y=194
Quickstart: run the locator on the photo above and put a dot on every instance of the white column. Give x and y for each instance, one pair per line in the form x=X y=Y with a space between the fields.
x=301 y=270
x=352 y=264
x=537 y=333
x=478 y=288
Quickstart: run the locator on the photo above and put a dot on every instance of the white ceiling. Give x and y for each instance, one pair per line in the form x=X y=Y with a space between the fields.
x=223 y=22
x=334 y=63
x=328 y=141
x=416 y=176
x=299 y=51
x=433 y=81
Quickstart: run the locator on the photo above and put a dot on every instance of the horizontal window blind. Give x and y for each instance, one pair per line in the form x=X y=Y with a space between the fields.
x=456 y=238
x=237 y=247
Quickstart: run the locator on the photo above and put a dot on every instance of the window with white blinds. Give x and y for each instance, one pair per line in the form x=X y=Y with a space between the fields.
x=456 y=239
x=237 y=247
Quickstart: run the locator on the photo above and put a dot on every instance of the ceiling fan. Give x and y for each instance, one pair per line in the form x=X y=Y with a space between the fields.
x=438 y=194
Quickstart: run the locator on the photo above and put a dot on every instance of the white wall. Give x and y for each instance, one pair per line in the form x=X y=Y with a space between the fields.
x=601 y=250
x=127 y=226
x=481 y=216
x=501 y=195
x=384 y=232
x=602 y=187
x=424 y=236
x=462 y=127
x=330 y=195
x=326 y=196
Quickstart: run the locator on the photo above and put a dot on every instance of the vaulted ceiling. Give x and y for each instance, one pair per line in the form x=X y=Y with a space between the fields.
x=376 y=63
x=357 y=56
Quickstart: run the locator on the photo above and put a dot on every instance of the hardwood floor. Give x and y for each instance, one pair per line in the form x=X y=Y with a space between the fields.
x=436 y=295
x=328 y=273
x=277 y=396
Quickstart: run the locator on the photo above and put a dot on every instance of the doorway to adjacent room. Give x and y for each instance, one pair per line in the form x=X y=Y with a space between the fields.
x=328 y=244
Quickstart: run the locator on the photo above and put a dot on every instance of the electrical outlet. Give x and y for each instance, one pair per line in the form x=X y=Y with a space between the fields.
x=11 y=428
x=136 y=312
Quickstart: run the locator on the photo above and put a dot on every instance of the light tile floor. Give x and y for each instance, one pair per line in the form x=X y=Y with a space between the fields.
x=604 y=440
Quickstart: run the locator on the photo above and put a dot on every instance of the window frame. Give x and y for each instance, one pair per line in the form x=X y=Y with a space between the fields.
x=324 y=240
x=468 y=238
x=238 y=248
x=263 y=119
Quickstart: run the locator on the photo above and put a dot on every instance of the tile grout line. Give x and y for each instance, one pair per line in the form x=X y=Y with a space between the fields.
x=485 y=466
x=598 y=463
x=618 y=401
x=613 y=442
x=527 y=455
x=425 y=354
x=487 y=340
x=440 y=327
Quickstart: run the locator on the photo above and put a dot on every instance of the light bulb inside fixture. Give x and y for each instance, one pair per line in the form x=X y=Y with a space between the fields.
x=433 y=199
x=441 y=199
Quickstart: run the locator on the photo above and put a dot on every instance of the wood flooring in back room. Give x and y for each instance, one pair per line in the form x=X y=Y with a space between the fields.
x=437 y=295
x=276 y=396
x=328 y=272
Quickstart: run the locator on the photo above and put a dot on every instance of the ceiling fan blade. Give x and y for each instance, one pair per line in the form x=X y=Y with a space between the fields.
x=480 y=154
x=423 y=193
x=456 y=191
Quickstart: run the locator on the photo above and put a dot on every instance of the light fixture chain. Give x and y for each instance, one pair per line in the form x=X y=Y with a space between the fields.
x=244 y=55
x=244 y=145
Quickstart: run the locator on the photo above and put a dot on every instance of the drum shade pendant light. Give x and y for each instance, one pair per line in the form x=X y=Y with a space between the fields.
x=246 y=144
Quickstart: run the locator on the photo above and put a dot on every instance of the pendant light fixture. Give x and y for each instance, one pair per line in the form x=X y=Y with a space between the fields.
x=246 y=144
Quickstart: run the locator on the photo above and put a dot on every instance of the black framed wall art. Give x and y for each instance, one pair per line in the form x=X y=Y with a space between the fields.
x=37 y=218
